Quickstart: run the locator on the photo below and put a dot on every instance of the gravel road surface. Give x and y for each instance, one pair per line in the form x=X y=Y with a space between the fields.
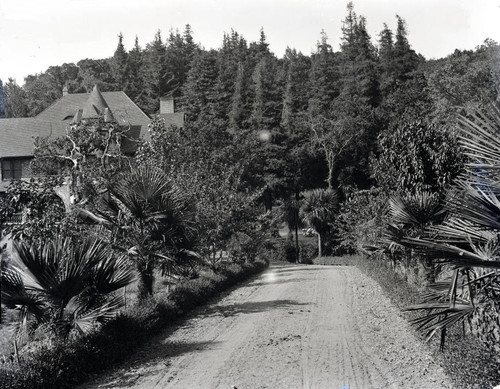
x=293 y=326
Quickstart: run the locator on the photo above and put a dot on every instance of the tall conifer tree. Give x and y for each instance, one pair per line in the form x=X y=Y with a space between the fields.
x=120 y=65
x=135 y=82
x=14 y=101
x=154 y=73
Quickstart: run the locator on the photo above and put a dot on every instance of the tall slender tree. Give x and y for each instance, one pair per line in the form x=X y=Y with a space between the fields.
x=134 y=84
x=120 y=65
x=155 y=74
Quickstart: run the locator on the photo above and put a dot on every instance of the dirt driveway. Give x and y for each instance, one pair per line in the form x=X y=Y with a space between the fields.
x=290 y=327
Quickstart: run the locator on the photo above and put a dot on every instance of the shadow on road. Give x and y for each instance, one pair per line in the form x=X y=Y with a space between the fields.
x=294 y=268
x=148 y=359
x=253 y=307
x=277 y=282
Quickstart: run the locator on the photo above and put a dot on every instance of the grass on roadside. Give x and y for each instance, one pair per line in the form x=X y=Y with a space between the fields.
x=346 y=260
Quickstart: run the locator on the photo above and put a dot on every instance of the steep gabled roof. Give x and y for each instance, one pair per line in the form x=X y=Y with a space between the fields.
x=17 y=134
x=124 y=110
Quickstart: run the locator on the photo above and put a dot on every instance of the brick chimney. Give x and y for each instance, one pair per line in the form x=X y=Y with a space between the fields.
x=167 y=104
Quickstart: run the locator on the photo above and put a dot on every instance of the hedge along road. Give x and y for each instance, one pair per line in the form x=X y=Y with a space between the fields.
x=293 y=326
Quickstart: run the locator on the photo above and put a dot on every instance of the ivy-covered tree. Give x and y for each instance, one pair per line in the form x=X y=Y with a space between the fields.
x=417 y=156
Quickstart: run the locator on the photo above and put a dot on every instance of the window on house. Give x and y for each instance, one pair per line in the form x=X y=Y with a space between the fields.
x=11 y=169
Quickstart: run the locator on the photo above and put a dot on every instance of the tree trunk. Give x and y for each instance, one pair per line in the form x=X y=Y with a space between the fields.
x=320 y=254
x=297 y=247
x=146 y=280
x=297 y=218
x=268 y=199
x=330 y=160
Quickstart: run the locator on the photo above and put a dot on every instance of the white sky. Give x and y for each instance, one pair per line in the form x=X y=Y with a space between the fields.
x=35 y=34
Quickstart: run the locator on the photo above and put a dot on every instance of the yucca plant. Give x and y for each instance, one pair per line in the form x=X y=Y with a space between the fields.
x=150 y=219
x=64 y=286
x=468 y=242
x=318 y=210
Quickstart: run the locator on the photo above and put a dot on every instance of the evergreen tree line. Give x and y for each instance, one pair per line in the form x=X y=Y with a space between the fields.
x=368 y=114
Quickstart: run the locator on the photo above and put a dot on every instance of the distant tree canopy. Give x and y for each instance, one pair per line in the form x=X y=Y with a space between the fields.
x=293 y=123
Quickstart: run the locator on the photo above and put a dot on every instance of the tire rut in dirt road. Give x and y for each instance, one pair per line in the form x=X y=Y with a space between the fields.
x=291 y=327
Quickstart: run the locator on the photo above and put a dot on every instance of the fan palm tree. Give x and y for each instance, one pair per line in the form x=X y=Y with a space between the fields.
x=468 y=241
x=318 y=210
x=152 y=220
x=410 y=215
x=64 y=286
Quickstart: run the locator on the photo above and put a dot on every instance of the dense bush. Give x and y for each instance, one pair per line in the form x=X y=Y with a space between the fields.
x=307 y=252
x=287 y=251
x=361 y=220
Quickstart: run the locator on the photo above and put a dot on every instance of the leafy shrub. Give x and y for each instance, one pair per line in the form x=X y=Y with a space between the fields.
x=361 y=220
x=307 y=252
x=287 y=250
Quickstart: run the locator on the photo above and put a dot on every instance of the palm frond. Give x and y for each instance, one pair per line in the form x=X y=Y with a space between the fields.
x=479 y=136
x=451 y=254
x=479 y=205
x=419 y=209
x=85 y=318
x=60 y=280
x=318 y=208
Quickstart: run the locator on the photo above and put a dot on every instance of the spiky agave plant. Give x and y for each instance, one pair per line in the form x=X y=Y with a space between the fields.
x=63 y=286
x=468 y=243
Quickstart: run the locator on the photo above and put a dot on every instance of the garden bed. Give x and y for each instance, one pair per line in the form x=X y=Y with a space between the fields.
x=66 y=364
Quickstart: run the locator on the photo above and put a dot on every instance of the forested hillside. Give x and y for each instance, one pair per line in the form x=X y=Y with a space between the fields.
x=333 y=118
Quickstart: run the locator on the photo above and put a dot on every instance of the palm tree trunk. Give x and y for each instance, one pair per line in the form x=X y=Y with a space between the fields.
x=146 y=280
x=297 y=248
x=297 y=221
x=319 y=246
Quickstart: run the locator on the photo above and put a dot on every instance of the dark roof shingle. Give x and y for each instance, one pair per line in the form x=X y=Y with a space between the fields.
x=17 y=134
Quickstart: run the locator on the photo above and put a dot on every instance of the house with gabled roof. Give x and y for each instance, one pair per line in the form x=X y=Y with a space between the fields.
x=17 y=134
